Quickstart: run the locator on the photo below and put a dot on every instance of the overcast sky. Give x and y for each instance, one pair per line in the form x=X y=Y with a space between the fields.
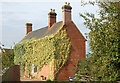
x=15 y=14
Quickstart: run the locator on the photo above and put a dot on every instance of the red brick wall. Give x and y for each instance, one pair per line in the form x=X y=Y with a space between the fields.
x=33 y=74
x=12 y=74
x=77 y=52
x=45 y=71
x=51 y=20
x=25 y=73
x=66 y=15
x=28 y=28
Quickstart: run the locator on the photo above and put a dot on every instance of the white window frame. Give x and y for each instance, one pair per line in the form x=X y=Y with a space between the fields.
x=33 y=68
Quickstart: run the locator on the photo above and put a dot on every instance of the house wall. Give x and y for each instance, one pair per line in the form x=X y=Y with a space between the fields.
x=12 y=74
x=77 y=52
x=45 y=71
x=25 y=73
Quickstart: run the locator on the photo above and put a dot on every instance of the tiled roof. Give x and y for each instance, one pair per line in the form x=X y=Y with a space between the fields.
x=6 y=50
x=44 y=31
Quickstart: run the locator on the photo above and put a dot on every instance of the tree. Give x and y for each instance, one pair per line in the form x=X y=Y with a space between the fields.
x=104 y=43
x=7 y=58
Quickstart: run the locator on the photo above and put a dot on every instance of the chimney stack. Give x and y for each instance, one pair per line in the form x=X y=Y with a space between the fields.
x=51 y=18
x=28 y=28
x=66 y=9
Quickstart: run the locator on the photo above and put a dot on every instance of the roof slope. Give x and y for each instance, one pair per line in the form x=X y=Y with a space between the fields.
x=44 y=31
x=7 y=50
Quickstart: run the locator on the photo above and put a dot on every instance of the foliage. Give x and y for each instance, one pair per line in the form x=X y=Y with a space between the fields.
x=52 y=50
x=7 y=59
x=0 y=57
x=48 y=80
x=22 y=69
x=62 y=49
x=104 y=63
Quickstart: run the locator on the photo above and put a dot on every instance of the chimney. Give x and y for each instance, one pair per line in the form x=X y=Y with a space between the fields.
x=51 y=18
x=66 y=10
x=28 y=28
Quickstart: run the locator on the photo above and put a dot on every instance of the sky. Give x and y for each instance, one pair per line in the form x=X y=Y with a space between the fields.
x=16 y=13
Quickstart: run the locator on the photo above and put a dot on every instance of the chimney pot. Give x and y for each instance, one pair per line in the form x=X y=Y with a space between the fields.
x=69 y=4
x=53 y=10
x=65 y=3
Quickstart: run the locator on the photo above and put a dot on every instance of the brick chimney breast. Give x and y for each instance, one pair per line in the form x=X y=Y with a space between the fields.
x=66 y=9
x=51 y=18
x=28 y=28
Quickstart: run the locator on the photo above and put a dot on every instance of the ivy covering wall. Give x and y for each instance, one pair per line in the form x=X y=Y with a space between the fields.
x=52 y=50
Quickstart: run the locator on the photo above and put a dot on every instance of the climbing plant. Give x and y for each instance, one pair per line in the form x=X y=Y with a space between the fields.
x=52 y=50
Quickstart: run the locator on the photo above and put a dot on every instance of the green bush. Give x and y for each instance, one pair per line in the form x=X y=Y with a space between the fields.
x=48 y=80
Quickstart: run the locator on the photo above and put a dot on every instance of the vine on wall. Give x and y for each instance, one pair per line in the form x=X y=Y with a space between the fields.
x=52 y=50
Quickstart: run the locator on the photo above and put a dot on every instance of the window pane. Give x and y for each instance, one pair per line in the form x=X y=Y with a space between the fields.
x=35 y=68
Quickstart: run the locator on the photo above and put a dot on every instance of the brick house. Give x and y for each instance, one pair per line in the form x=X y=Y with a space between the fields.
x=76 y=38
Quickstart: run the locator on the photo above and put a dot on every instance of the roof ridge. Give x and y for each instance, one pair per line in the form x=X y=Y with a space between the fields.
x=40 y=28
x=47 y=26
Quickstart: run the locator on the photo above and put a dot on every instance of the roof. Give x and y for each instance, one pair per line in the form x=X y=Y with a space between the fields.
x=6 y=50
x=44 y=31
